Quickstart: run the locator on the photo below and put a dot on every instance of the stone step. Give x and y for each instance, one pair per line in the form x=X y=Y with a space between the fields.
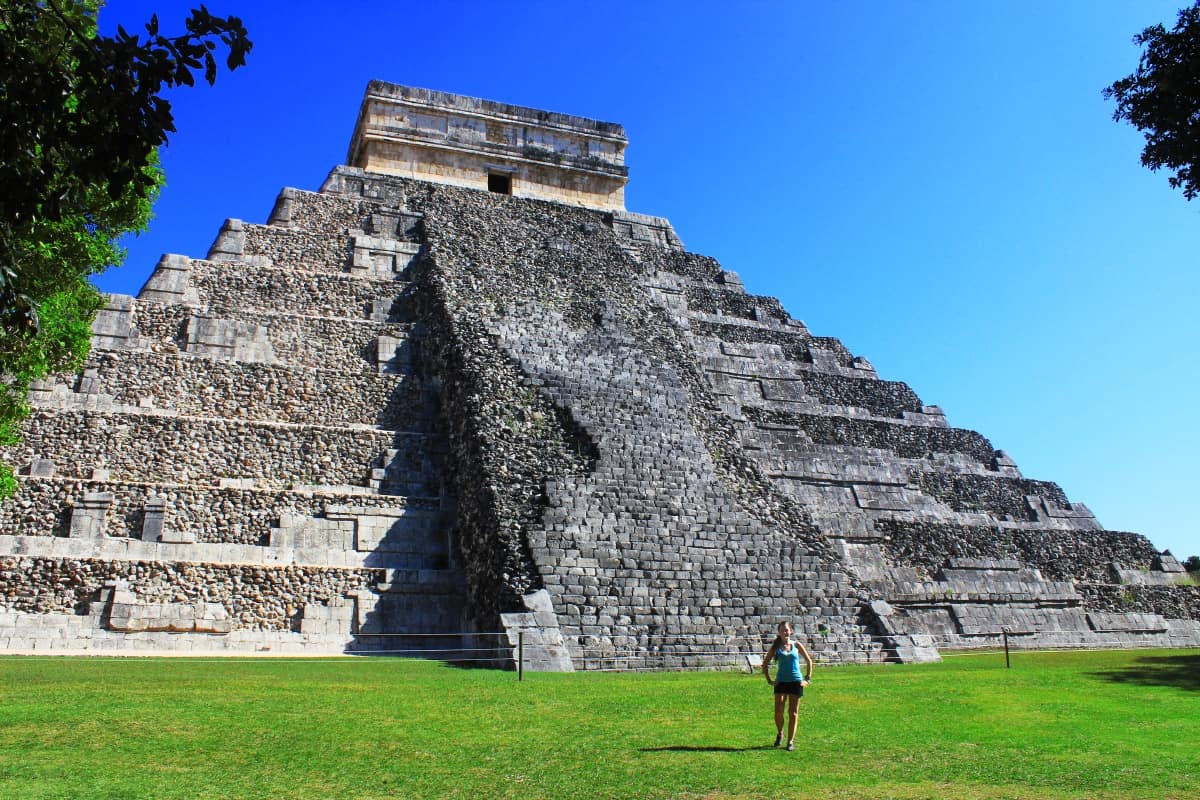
x=794 y=432
x=422 y=580
x=332 y=214
x=183 y=384
x=351 y=251
x=282 y=288
x=278 y=602
x=731 y=300
x=791 y=338
x=257 y=336
x=1057 y=553
x=427 y=609
x=760 y=381
x=152 y=447
x=1000 y=496
x=239 y=513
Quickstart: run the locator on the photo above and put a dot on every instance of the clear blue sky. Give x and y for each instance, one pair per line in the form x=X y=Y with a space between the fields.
x=938 y=184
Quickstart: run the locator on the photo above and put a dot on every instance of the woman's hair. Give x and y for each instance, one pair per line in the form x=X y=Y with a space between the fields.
x=779 y=639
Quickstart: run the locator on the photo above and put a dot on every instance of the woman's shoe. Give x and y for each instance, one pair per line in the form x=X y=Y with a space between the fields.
x=791 y=746
x=778 y=739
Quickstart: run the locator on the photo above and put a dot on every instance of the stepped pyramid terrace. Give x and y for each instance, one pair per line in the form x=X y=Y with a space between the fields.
x=462 y=391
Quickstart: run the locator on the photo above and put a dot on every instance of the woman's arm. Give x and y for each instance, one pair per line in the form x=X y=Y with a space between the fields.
x=808 y=662
x=766 y=661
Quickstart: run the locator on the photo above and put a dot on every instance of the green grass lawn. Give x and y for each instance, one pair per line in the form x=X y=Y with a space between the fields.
x=1056 y=725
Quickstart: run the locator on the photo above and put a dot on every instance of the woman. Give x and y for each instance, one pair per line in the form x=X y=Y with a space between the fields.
x=789 y=682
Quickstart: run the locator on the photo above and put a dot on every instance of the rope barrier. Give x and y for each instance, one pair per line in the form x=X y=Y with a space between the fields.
x=737 y=651
x=679 y=652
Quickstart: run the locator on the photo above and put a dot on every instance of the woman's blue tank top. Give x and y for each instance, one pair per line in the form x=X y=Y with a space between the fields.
x=789 y=665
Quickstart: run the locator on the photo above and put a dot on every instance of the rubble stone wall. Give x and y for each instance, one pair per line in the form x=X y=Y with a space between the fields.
x=1172 y=602
x=145 y=447
x=999 y=495
x=906 y=441
x=193 y=386
x=257 y=598
x=315 y=249
x=226 y=285
x=229 y=516
x=1059 y=555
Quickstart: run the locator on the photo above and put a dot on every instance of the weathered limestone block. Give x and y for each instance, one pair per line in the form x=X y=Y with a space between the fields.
x=639 y=229
x=87 y=516
x=113 y=328
x=334 y=619
x=1046 y=509
x=408 y=605
x=41 y=468
x=230 y=244
x=152 y=519
x=234 y=340
x=281 y=214
x=882 y=497
x=1103 y=622
x=411 y=537
x=1006 y=466
x=667 y=291
x=394 y=355
x=395 y=224
x=171 y=282
x=1165 y=562
x=535 y=636
x=917 y=648
x=992 y=564
x=1142 y=577
x=412 y=531
x=310 y=533
x=127 y=613
x=379 y=257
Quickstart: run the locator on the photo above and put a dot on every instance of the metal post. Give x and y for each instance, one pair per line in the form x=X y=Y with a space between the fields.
x=1007 y=665
x=520 y=655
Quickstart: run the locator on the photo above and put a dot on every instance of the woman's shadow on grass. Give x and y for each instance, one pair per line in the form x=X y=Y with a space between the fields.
x=1182 y=672
x=684 y=748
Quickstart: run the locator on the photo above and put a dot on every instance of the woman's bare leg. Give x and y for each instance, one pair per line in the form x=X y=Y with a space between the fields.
x=793 y=716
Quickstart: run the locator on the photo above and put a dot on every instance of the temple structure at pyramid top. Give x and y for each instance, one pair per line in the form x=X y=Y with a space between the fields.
x=481 y=144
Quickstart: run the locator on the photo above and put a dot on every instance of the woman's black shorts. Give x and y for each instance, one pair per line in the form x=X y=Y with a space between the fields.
x=789 y=687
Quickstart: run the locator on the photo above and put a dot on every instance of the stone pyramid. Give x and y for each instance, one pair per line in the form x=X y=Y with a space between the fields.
x=461 y=398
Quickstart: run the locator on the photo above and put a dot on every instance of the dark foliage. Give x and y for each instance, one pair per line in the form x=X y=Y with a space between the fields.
x=1162 y=99
x=79 y=137
x=83 y=111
